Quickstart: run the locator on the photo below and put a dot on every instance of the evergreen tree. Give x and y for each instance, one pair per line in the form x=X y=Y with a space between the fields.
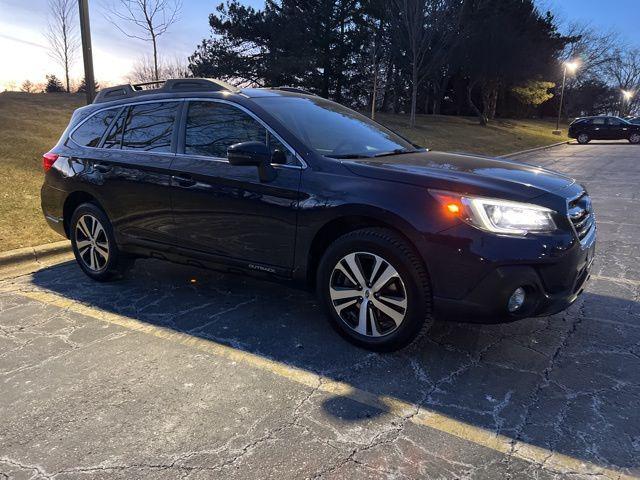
x=54 y=85
x=504 y=43
x=82 y=88
x=469 y=50
x=305 y=43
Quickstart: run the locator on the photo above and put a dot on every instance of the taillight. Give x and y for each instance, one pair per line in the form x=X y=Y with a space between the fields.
x=48 y=159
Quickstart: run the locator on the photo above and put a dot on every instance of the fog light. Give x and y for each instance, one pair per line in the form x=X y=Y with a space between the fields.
x=516 y=300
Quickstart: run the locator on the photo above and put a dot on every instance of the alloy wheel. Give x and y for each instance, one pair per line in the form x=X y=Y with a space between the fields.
x=635 y=138
x=368 y=294
x=583 y=138
x=92 y=243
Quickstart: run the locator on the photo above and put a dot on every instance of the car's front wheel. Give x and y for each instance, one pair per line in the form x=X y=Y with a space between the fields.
x=94 y=245
x=583 y=139
x=634 y=138
x=375 y=289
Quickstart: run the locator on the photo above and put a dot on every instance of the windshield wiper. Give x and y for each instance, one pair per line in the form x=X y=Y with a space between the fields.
x=347 y=156
x=397 y=151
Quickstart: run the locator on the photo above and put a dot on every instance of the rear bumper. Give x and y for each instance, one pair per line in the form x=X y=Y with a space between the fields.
x=487 y=301
x=52 y=202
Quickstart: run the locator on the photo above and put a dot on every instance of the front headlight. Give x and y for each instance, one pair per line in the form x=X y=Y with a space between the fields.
x=496 y=215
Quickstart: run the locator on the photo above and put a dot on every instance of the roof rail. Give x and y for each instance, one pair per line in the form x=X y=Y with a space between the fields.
x=294 y=90
x=171 y=85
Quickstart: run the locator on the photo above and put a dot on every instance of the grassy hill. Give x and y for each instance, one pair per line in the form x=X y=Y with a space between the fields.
x=30 y=124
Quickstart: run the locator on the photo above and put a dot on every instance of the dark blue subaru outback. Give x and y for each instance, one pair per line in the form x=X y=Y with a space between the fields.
x=282 y=184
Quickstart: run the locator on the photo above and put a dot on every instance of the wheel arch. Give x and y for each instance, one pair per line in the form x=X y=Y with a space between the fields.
x=73 y=200
x=348 y=222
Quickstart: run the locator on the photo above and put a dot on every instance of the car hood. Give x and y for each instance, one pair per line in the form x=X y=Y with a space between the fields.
x=463 y=173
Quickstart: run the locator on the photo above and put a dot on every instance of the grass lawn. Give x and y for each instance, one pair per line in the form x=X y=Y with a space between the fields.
x=30 y=124
x=464 y=134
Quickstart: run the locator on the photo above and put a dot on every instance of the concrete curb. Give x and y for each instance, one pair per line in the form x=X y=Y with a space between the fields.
x=536 y=149
x=34 y=254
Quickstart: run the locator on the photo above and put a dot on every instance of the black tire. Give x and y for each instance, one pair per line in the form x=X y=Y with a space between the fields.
x=634 y=138
x=583 y=138
x=399 y=254
x=116 y=263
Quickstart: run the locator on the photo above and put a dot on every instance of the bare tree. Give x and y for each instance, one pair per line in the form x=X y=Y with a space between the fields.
x=28 y=87
x=425 y=30
x=62 y=34
x=591 y=48
x=623 y=70
x=144 y=69
x=145 y=20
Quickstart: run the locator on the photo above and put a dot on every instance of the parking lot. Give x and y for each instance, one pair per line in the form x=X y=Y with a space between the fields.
x=177 y=372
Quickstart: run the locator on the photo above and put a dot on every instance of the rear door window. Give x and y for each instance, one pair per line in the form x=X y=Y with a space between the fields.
x=149 y=127
x=90 y=132
x=598 y=121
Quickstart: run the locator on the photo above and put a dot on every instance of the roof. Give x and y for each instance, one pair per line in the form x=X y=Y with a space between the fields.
x=183 y=85
x=174 y=85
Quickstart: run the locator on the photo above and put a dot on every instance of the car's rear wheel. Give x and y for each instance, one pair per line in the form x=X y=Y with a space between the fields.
x=584 y=138
x=634 y=138
x=375 y=289
x=94 y=245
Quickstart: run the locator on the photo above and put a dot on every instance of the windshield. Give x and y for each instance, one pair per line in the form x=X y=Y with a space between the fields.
x=333 y=130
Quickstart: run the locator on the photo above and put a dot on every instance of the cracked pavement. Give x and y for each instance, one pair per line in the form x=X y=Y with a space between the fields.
x=85 y=397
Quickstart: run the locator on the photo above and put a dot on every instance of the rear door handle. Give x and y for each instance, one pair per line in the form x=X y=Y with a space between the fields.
x=184 y=180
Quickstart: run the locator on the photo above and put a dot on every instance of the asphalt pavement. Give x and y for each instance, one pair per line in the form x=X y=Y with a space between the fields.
x=177 y=372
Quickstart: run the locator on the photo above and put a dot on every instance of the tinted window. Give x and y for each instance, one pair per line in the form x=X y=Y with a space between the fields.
x=616 y=122
x=598 y=121
x=212 y=127
x=331 y=129
x=114 y=138
x=90 y=132
x=150 y=127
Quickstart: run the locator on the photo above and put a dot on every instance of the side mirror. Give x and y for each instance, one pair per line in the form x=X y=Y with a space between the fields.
x=253 y=154
x=248 y=153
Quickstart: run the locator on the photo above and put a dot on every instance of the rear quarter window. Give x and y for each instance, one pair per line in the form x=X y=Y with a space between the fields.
x=89 y=133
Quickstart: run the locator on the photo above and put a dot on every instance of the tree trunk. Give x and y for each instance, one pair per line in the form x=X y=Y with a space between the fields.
x=414 y=94
x=388 y=87
x=396 y=91
x=489 y=100
x=439 y=87
x=427 y=100
x=340 y=73
x=155 y=58
x=66 y=72
x=481 y=117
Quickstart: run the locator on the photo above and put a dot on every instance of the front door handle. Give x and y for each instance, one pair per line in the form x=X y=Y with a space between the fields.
x=184 y=180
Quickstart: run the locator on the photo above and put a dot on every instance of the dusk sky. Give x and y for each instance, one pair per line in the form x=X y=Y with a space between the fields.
x=23 y=52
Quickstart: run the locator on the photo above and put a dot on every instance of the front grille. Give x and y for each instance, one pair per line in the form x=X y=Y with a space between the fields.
x=581 y=215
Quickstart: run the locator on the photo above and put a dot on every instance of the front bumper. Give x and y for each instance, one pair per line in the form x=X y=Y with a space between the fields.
x=487 y=301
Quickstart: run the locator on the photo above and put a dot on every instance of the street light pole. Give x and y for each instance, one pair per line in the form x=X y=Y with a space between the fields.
x=87 y=54
x=571 y=67
x=564 y=79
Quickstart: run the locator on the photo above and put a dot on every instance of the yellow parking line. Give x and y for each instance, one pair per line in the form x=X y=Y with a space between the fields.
x=549 y=460
x=635 y=283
